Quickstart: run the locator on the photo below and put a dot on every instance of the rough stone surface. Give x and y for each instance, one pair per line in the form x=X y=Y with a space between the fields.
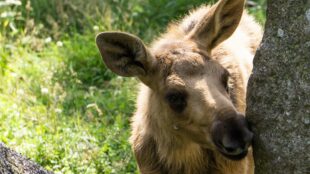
x=278 y=99
x=13 y=163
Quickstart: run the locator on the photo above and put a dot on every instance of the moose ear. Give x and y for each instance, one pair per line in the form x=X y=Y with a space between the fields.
x=219 y=23
x=124 y=53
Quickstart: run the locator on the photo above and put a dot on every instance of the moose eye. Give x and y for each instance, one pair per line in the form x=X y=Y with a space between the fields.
x=177 y=100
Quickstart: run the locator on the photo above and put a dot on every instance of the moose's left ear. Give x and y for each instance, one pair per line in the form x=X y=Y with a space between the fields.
x=124 y=54
x=218 y=24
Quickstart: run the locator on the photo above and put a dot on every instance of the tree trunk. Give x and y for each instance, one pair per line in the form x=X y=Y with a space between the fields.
x=13 y=163
x=278 y=99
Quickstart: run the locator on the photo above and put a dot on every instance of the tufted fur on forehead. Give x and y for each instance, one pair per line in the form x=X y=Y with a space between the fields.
x=180 y=57
x=192 y=74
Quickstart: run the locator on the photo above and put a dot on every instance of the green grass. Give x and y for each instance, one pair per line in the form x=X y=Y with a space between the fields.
x=59 y=105
x=67 y=120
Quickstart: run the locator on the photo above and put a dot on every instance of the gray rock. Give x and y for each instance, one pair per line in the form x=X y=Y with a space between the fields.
x=12 y=162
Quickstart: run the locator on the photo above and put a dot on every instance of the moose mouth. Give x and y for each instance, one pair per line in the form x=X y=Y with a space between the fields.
x=232 y=154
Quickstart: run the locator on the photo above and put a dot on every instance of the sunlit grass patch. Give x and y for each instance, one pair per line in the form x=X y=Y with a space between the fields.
x=63 y=119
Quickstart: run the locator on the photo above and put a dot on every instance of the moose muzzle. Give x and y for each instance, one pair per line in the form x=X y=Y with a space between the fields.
x=231 y=135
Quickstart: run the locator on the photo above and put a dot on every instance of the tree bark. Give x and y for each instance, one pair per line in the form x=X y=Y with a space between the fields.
x=278 y=98
x=13 y=163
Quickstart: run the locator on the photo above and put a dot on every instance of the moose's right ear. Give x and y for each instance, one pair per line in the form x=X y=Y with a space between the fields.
x=124 y=53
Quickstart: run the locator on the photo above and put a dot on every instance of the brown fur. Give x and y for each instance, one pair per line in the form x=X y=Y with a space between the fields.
x=193 y=57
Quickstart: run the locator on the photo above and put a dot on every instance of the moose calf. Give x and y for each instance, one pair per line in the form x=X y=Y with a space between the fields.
x=191 y=104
